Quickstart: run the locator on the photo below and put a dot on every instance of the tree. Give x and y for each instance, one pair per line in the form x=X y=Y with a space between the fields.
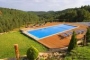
x=88 y=35
x=11 y=19
x=32 y=53
x=73 y=42
x=83 y=15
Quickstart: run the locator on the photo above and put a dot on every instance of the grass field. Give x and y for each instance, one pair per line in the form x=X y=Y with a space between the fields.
x=8 y=40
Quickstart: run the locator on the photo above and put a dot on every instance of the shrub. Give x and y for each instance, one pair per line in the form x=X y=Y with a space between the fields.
x=32 y=53
x=67 y=58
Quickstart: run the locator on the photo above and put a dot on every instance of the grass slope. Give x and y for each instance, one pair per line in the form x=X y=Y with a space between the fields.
x=79 y=53
x=8 y=40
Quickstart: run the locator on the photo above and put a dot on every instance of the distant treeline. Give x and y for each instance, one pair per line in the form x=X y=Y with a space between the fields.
x=68 y=15
x=12 y=18
x=75 y=14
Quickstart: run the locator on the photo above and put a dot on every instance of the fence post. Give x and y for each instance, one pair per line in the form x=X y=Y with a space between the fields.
x=16 y=51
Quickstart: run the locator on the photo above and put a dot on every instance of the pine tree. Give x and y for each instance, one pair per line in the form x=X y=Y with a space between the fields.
x=73 y=42
x=88 y=35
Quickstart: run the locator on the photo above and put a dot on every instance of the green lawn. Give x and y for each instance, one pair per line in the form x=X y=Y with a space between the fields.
x=8 y=40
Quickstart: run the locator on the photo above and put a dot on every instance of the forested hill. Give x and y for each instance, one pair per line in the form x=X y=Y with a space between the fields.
x=69 y=15
x=76 y=14
x=45 y=16
x=12 y=18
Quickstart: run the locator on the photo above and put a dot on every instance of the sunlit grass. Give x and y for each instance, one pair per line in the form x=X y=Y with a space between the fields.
x=8 y=40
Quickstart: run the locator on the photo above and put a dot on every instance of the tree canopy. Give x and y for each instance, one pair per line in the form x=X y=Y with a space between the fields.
x=12 y=18
x=68 y=15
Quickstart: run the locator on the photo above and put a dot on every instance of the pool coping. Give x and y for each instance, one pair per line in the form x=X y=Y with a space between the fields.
x=36 y=38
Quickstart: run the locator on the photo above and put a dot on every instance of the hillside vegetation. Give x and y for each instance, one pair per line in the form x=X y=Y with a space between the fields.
x=80 y=53
x=12 y=18
x=68 y=15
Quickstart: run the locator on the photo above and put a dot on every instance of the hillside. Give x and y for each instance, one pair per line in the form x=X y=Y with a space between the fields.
x=12 y=18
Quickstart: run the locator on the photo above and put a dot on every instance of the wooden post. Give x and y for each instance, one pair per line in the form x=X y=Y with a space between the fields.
x=16 y=51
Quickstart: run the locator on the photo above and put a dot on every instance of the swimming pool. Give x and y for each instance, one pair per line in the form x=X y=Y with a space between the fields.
x=49 y=31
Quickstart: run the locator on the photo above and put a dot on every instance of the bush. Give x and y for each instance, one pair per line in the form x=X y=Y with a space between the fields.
x=32 y=53
x=67 y=58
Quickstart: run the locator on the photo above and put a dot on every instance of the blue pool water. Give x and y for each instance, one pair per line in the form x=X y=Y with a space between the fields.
x=48 y=31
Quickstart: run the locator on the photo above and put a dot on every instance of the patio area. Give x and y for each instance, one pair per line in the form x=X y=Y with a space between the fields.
x=56 y=41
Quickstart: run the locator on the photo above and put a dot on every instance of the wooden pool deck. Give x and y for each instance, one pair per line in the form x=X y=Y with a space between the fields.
x=56 y=41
